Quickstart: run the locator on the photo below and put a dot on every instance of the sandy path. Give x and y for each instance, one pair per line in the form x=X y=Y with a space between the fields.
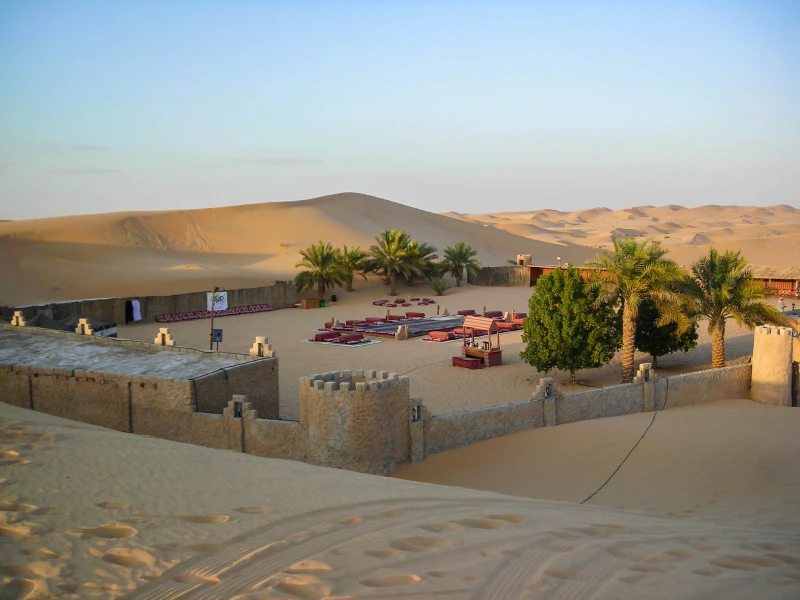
x=157 y=519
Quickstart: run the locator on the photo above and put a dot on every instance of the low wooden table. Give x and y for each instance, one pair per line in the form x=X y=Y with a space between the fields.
x=491 y=358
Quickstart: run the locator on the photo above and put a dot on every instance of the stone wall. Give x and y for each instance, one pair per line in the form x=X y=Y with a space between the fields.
x=357 y=420
x=703 y=386
x=259 y=382
x=280 y=295
x=772 y=365
x=510 y=276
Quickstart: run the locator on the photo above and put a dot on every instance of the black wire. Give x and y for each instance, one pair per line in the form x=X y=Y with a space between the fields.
x=623 y=460
x=666 y=397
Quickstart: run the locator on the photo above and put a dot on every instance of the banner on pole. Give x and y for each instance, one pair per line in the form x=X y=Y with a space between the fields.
x=220 y=300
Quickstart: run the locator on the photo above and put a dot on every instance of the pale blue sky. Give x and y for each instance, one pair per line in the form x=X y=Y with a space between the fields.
x=442 y=105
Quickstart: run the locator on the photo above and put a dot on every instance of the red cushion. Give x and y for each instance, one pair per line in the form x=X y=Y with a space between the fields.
x=467 y=312
x=375 y=319
x=397 y=318
x=415 y=315
x=441 y=335
x=493 y=314
x=325 y=336
x=350 y=337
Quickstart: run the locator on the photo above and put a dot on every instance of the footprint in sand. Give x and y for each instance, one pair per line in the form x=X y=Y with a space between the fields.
x=510 y=518
x=679 y=553
x=354 y=520
x=309 y=567
x=650 y=568
x=18 y=589
x=420 y=544
x=733 y=565
x=110 y=531
x=306 y=587
x=452 y=575
x=204 y=519
x=440 y=527
x=482 y=523
x=111 y=505
x=789 y=560
x=34 y=570
x=391 y=581
x=392 y=512
x=252 y=510
x=761 y=561
x=6 y=506
x=16 y=532
x=133 y=559
x=384 y=554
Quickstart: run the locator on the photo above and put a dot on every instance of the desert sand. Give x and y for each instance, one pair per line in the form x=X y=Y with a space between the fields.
x=704 y=507
x=170 y=252
x=157 y=519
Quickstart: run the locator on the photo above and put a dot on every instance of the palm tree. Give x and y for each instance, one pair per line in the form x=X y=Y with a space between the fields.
x=460 y=257
x=390 y=257
x=322 y=269
x=722 y=288
x=352 y=260
x=636 y=271
x=421 y=255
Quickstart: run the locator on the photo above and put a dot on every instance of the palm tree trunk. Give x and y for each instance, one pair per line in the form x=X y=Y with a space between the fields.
x=572 y=375
x=655 y=361
x=628 y=334
x=392 y=283
x=321 y=289
x=349 y=285
x=458 y=281
x=717 y=334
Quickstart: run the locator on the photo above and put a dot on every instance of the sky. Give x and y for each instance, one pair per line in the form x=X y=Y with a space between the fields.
x=441 y=105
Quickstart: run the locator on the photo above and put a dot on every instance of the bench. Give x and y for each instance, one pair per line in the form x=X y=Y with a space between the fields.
x=415 y=315
x=467 y=312
x=467 y=363
x=493 y=314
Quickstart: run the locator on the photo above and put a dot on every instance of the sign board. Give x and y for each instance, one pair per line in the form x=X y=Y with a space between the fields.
x=216 y=335
x=220 y=300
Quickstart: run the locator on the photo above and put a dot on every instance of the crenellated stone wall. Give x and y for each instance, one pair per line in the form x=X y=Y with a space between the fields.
x=356 y=419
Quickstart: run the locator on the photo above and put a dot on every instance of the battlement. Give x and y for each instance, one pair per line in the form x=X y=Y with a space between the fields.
x=358 y=380
x=773 y=330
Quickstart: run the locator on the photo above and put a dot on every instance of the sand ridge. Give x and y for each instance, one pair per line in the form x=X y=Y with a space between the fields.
x=334 y=533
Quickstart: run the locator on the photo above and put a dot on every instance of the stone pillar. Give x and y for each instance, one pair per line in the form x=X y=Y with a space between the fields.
x=262 y=348
x=772 y=366
x=84 y=328
x=647 y=377
x=18 y=320
x=546 y=392
x=164 y=337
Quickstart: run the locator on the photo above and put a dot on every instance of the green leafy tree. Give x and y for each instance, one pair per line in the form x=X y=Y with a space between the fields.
x=634 y=272
x=391 y=257
x=458 y=258
x=322 y=268
x=352 y=260
x=658 y=340
x=568 y=327
x=722 y=288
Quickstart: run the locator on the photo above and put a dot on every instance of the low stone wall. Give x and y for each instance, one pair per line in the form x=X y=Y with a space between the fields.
x=510 y=276
x=454 y=430
x=259 y=382
x=280 y=295
x=549 y=406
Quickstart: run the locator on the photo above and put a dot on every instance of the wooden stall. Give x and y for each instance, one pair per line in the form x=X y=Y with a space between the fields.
x=491 y=356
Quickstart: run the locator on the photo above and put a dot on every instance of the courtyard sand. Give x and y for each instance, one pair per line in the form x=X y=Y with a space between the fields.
x=442 y=387
x=167 y=519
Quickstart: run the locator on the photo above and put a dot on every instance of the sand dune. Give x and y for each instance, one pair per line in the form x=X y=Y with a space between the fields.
x=767 y=236
x=168 y=252
x=195 y=522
